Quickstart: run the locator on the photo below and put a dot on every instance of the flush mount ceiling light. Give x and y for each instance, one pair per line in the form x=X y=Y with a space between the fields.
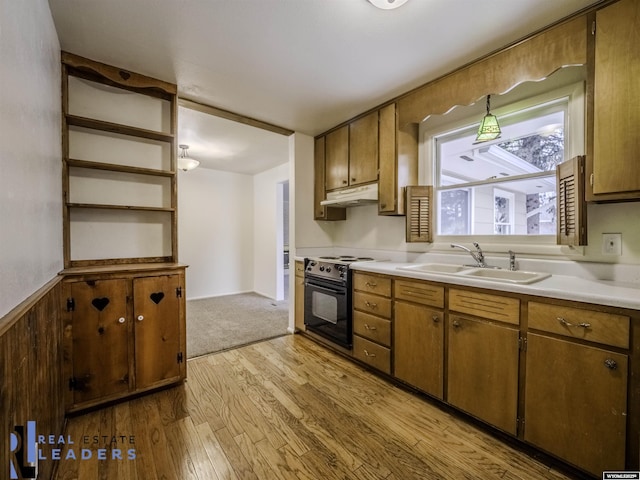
x=388 y=4
x=185 y=162
x=489 y=128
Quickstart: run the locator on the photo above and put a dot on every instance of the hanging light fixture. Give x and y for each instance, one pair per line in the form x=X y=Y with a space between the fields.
x=489 y=128
x=388 y=4
x=185 y=162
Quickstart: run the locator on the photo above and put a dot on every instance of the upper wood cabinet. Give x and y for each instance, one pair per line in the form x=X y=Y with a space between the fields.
x=613 y=168
x=337 y=159
x=363 y=150
x=398 y=161
x=321 y=212
x=351 y=155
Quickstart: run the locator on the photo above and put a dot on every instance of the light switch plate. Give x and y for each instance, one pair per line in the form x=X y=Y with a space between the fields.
x=612 y=244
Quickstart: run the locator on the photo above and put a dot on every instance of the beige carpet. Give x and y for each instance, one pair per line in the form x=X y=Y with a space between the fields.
x=220 y=323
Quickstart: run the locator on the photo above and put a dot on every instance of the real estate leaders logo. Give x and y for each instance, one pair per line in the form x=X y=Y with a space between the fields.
x=23 y=447
x=27 y=447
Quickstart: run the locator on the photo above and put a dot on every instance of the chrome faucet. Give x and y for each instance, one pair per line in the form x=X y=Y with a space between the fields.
x=478 y=255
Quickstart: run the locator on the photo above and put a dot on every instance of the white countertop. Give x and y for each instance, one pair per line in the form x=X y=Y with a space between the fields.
x=600 y=292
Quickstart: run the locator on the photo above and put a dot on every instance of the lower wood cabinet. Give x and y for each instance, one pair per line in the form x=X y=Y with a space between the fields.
x=576 y=402
x=418 y=353
x=558 y=375
x=483 y=359
x=124 y=333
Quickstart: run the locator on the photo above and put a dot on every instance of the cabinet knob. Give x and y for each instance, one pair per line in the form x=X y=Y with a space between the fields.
x=140 y=318
x=344 y=182
x=435 y=318
x=383 y=206
x=456 y=324
x=353 y=179
x=121 y=320
x=611 y=364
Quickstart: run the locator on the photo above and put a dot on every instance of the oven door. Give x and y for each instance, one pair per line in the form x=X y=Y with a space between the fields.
x=327 y=310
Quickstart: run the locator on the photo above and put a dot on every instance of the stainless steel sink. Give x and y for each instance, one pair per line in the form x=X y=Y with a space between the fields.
x=493 y=274
x=509 y=276
x=436 y=268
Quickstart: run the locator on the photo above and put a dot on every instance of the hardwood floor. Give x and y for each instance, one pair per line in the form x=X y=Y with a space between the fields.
x=286 y=409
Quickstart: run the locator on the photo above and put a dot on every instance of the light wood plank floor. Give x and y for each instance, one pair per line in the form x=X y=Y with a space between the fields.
x=284 y=409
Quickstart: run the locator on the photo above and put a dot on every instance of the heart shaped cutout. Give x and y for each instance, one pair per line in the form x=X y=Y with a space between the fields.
x=156 y=297
x=100 y=303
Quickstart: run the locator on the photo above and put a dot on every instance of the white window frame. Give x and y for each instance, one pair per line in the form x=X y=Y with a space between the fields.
x=575 y=127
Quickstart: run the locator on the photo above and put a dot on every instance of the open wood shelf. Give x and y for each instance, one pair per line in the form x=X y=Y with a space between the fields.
x=120 y=207
x=73 y=162
x=118 y=128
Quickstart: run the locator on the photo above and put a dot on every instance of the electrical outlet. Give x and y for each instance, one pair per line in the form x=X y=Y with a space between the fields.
x=612 y=244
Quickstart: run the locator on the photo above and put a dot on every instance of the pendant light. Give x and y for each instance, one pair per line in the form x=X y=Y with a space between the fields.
x=185 y=162
x=489 y=128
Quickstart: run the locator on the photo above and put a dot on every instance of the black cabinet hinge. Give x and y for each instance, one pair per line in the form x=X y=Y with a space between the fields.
x=71 y=304
x=72 y=383
x=180 y=358
x=179 y=292
x=522 y=344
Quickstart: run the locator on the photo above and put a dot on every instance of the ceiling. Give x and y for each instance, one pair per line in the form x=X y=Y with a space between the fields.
x=305 y=65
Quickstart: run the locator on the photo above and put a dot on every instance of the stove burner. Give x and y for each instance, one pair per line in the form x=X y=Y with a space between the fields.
x=365 y=259
x=329 y=257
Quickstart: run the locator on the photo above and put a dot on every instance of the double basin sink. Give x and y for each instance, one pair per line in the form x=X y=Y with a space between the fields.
x=493 y=274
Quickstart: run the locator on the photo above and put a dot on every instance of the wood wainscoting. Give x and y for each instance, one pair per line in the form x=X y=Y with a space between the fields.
x=31 y=386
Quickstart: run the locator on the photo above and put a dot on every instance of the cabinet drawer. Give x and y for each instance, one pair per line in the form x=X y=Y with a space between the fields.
x=375 y=304
x=495 y=307
x=377 y=356
x=372 y=284
x=372 y=327
x=599 y=327
x=419 y=292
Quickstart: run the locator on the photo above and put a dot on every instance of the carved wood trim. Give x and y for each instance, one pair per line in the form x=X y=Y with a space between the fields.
x=530 y=60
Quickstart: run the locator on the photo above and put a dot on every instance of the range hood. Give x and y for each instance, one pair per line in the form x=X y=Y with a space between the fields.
x=351 y=197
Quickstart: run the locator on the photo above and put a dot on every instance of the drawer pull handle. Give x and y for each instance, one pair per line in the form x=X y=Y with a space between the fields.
x=411 y=292
x=569 y=324
x=370 y=305
x=370 y=327
x=369 y=354
x=371 y=284
x=456 y=324
x=140 y=318
x=610 y=364
x=435 y=318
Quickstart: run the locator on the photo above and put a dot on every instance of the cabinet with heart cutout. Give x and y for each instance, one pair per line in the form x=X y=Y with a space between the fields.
x=124 y=331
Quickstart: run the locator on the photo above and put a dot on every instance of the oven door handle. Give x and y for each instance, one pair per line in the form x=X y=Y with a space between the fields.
x=319 y=287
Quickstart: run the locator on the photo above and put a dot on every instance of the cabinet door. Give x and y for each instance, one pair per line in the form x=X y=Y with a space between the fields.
x=483 y=370
x=100 y=332
x=157 y=318
x=581 y=392
x=418 y=349
x=616 y=98
x=321 y=212
x=388 y=181
x=363 y=150
x=337 y=159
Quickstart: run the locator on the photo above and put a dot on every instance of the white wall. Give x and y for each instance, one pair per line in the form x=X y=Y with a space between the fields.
x=267 y=234
x=215 y=231
x=30 y=151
